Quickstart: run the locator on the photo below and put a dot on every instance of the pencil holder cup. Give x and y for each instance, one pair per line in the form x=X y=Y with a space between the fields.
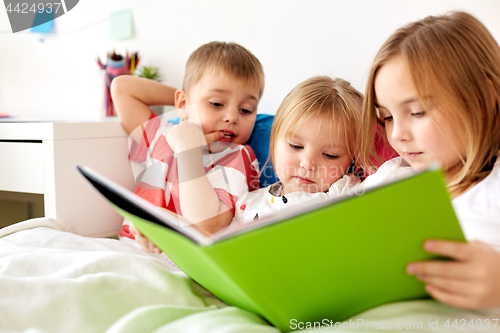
x=112 y=70
x=117 y=67
x=108 y=110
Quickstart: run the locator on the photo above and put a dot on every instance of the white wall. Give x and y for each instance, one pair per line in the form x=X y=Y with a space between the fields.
x=294 y=39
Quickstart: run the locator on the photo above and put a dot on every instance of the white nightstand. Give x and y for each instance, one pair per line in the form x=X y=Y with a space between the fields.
x=41 y=157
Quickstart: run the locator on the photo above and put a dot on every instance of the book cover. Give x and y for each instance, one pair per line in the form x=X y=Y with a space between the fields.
x=323 y=261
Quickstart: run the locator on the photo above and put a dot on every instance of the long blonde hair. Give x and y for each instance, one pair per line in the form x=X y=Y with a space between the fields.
x=454 y=59
x=332 y=99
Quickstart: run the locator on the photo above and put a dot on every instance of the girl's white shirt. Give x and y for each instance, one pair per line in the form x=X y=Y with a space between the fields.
x=268 y=200
x=478 y=209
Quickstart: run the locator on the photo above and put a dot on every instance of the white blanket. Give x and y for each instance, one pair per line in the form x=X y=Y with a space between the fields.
x=52 y=280
x=57 y=281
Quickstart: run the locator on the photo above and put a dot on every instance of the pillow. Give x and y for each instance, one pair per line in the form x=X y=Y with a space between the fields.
x=259 y=141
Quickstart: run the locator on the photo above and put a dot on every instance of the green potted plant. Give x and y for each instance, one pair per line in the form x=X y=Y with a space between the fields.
x=149 y=72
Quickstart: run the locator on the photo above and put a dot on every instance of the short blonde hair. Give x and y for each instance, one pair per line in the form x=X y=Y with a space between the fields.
x=320 y=96
x=230 y=58
x=454 y=59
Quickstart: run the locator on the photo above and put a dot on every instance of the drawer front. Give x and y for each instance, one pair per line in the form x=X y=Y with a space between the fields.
x=21 y=167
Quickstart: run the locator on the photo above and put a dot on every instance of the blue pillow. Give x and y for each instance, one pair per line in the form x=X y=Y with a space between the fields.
x=259 y=141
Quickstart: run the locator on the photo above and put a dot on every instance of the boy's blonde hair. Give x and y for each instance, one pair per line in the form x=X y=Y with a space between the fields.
x=334 y=100
x=453 y=59
x=229 y=58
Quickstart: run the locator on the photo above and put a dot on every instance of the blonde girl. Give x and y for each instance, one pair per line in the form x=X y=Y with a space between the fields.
x=435 y=85
x=312 y=148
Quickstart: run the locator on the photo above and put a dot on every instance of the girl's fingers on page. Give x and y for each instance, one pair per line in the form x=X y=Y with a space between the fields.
x=143 y=242
x=456 y=250
x=137 y=234
x=150 y=246
x=450 y=285
x=140 y=239
x=438 y=268
x=154 y=248
x=456 y=300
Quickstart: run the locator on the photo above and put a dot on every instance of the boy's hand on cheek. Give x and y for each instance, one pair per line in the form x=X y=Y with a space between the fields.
x=471 y=281
x=185 y=136
x=188 y=135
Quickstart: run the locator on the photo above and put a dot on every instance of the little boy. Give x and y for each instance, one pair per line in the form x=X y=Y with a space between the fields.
x=222 y=87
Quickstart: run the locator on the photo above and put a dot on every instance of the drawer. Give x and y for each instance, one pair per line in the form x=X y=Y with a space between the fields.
x=22 y=167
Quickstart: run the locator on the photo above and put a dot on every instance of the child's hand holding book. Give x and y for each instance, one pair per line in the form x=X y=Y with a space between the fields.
x=470 y=281
x=145 y=243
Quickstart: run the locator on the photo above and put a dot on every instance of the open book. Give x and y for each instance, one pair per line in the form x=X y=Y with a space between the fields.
x=321 y=261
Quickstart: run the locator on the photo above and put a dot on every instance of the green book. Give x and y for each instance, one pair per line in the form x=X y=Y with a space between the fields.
x=319 y=262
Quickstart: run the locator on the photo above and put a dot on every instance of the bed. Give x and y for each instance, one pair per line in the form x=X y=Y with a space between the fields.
x=53 y=280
